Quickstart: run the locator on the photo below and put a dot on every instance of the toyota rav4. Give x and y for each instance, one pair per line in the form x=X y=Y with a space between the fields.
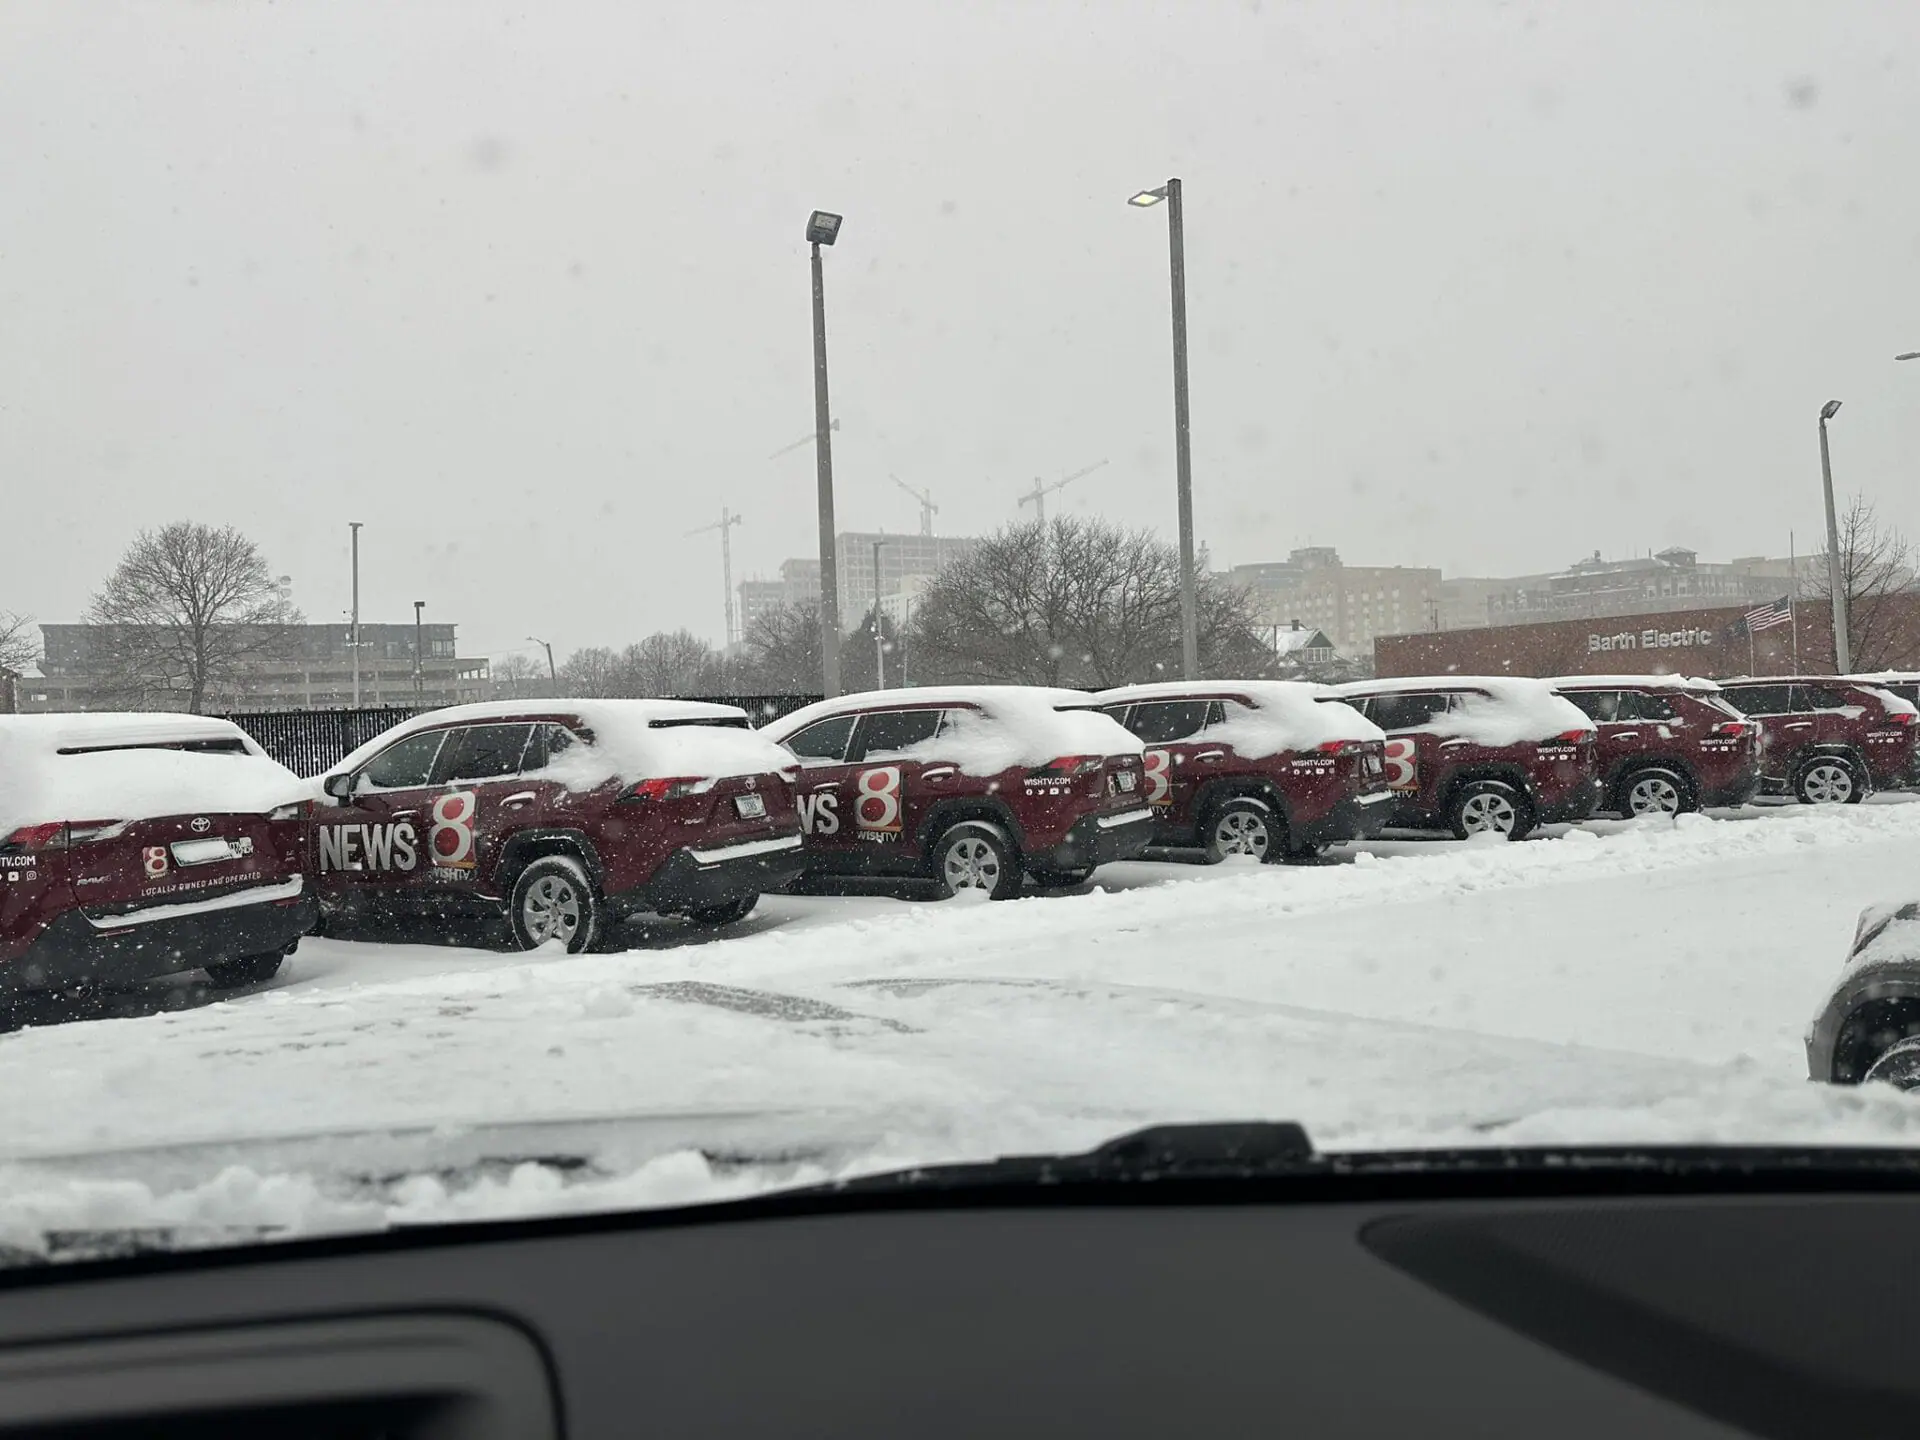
x=971 y=787
x=139 y=845
x=1262 y=768
x=570 y=814
x=1667 y=743
x=1906 y=685
x=1481 y=754
x=1828 y=741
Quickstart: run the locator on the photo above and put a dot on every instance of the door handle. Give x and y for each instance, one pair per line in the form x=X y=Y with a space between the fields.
x=944 y=772
x=1800 y=725
x=1211 y=755
x=401 y=814
x=1626 y=735
x=525 y=797
x=1449 y=744
x=828 y=786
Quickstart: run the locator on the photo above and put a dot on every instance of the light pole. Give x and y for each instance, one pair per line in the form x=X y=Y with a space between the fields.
x=1182 y=448
x=879 y=650
x=823 y=228
x=353 y=638
x=419 y=658
x=1836 y=587
x=553 y=675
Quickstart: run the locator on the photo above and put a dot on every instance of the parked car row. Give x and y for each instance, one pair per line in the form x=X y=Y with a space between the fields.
x=135 y=845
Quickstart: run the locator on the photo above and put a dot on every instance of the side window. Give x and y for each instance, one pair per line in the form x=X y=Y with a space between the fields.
x=1116 y=712
x=404 y=764
x=482 y=752
x=1809 y=698
x=1598 y=705
x=1165 y=721
x=1405 y=712
x=824 y=740
x=887 y=732
x=1217 y=713
x=1760 y=699
x=548 y=744
x=1646 y=705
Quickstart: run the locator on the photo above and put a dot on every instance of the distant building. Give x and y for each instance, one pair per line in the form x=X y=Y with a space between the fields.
x=1674 y=579
x=1351 y=603
x=315 y=673
x=1301 y=649
x=905 y=562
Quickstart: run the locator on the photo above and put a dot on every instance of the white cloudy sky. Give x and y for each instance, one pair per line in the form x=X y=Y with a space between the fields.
x=523 y=288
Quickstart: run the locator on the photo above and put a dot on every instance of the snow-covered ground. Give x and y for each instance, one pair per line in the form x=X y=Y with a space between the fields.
x=1645 y=981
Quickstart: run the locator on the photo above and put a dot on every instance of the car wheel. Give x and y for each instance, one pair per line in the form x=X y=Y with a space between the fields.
x=1489 y=807
x=1897 y=1065
x=554 y=900
x=1829 y=780
x=976 y=856
x=1655 y=792
x=724 y=914
x=1241 y=826
x=1061 y=879
x=248 y=970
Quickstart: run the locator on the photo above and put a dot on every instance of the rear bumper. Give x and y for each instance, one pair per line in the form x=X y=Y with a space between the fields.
x=1358 y=817
x=1577 y=804
x=1098 y=839
x=693 y=879
x=74 y=950
x=1732 y=792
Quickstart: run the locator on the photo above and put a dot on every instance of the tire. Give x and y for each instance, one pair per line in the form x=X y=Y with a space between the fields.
x=725 y=914
x=248 y=970
x=1829 y=780
x=975 y=856
x=553 y=898
x=1654 y=791
x=1061 y=879
x=1897 y=1065
x=1242 y=826
x=1489 y=807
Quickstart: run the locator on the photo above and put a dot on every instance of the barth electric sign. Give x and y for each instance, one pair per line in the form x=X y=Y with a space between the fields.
x=1691 y=638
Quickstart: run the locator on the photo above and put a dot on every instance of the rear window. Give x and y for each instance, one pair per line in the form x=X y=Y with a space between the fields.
x=1596 y=704
x=1645 y=705
x=710 y=722
x=1810 y=698
x=1405 y=712
x=1164 y=721
x=891 y=731
x=483 y=752
x=1761 y=699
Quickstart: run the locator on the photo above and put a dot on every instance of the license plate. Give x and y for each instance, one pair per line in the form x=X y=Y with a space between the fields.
x=751 y=807
x=206 y=852
x=1128 y=780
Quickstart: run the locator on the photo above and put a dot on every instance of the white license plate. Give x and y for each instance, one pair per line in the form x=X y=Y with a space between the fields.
x=1128 y=780
x=751 y=807
x=207 y=852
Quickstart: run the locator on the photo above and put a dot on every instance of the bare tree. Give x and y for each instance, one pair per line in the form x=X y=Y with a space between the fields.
x=185 y=613
x=1877 y=577
x=519 y=677
x=591 y=674
x=19 y=646
x=782 y=651
x=1075 y=602
x=676 y=662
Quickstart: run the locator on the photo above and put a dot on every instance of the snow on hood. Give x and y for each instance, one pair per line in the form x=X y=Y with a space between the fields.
x=1264 y=717
x=990 y=728
x=122 y=776
x=632 y=740
x=1494 y=710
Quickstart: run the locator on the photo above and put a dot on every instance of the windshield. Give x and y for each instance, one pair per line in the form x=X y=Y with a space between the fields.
x=608 y=605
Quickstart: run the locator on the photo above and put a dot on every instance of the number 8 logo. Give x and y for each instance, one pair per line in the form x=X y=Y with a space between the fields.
x=1400 y=771
x=1159 y=783
x=451 y=841
x=878 y=804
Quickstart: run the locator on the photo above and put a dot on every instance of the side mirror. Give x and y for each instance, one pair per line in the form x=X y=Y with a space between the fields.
x=339 y=786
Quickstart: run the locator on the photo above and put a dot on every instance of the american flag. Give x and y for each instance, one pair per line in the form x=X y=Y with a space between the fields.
x=1774 y=612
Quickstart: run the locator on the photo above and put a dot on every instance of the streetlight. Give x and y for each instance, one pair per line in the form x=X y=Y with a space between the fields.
x=879 y=650
x=419 y=658
x=1910 y=355
x=1836 y=588
x=1182 y=448
x=823 y=228
x=553 y=675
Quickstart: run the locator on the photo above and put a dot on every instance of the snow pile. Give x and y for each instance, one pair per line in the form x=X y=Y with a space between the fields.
x=1264 y=717
x=632 y=739
x=989 y=728
x=1489 y=710
x=122 y=775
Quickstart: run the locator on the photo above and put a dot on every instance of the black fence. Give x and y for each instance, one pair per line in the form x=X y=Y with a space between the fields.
x=311 y=742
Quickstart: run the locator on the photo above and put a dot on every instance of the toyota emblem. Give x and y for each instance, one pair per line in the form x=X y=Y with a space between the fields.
x=201 y=825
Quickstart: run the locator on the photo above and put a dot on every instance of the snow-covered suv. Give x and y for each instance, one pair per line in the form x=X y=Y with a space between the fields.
x=1667 y=743
x=1266 y=768
x=570 y=814
x=1828 y=741
x=1481 y=754
x=139 y=845
x=969 y=786
x=1906 y=685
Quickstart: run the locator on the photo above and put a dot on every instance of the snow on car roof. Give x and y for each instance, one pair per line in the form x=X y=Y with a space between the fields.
x=992 y=698
x=1024 y=725
x=1495 y=685
x=1885 y=677
x=1285 y=714
x=1634 y=682
x=113 y=767
x=1517 y=708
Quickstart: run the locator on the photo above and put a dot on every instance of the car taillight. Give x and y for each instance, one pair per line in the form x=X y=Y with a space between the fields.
x=1063 y=765
x=1574 y=737
x=1341 y=747
x=1905 y=717
x=670 y=787
x=1730 y=728
x=51 y=836
x=298 y=810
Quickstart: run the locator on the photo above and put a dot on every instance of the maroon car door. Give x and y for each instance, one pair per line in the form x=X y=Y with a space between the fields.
x=1415 y=756
x=891 y=792
x=1178 y=758
x=375 y=840
x=825 y=813
x=477 y=798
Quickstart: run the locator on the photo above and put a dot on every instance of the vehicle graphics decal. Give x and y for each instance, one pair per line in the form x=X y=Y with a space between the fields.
x=154 y=857
x=1159 y=781
x=876 y=809
x=1403 y=771
x=393 y=846
x=820 y=813
x=451 y=841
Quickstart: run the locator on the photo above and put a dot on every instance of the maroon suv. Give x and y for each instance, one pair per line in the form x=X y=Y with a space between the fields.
x=1264 y=768
x=1481 y=754
x=1827 y=741
x=139 y=845
x=1906 y=685
x=1667 y=743
x=971 y=787
x=570 y=814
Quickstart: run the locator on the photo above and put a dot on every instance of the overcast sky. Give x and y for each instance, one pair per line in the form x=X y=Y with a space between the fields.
x=524 y=288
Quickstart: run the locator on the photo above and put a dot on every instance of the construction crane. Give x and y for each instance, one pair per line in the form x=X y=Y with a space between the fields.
x=1038 y=496
x=725 y=525
x=927 y=508
x=806 y=439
